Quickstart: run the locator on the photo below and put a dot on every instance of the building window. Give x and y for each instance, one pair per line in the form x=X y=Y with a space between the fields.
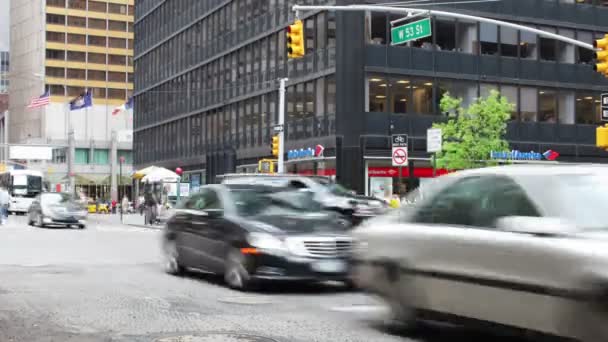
x=77 y=74
x=467 y=35
x=566 y=105
x=55 y=54
x=77 y=39
x=97 y=58
x=96 y=6
x=488 y=38
x=528 y=45
x=508 y=42
x=55 y=37
x=117 y=25
x=331 y=94
x=587 y=108
x=55 y=72
x=422 y=96
x=548 y=46
x=81 y=156
x=55 y=3
x=547 y=105
x=378 y=28
x=98 y=24
x=77 y=21
x=55 y=19
x=565 y=51
x=77 y=4
x=97 y=75
x=101 y=156
x=511 y=94
x=528 y=103
x=400 y=94
x=59 y=156
x=585 y=56
x=445 y=34
x=74 y=56
x=128 y=155
x=378 y=90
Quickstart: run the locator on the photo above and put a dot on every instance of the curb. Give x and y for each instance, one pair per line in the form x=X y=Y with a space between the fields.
x=144 y=226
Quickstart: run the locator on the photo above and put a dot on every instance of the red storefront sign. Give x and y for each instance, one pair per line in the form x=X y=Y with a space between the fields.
x=381 y=171
x=419 y=172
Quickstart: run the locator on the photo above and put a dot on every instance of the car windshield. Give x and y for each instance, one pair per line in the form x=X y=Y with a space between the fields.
x=253 y=202
x=56 y=198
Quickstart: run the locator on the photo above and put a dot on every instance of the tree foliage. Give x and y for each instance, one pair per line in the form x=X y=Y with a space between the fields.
x=470 y=134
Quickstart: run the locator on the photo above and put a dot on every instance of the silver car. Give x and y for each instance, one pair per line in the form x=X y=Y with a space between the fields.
x=520 y=246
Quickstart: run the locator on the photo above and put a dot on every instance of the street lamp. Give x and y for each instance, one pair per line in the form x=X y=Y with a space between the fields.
x=179 y=172
x=121 y=160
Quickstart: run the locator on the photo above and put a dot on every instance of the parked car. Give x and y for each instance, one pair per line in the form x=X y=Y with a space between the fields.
x=331 y=195
x=524 y=247
x=57 y=209
x=252 y=233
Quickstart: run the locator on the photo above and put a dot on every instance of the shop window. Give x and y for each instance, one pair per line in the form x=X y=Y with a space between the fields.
x=422 y=96
x=400 y=91
x=587 y=108
x=548 y=46
x=547 y=106
x=378 y=28
x=101 y=156
x=81 y=156
x=585 y=56
x=508 y=42
x=488 y=39
x=445 y=34
x=528 y=45
x=377 y=94
x=529 y=104
x=510 y=93
x=467 y=35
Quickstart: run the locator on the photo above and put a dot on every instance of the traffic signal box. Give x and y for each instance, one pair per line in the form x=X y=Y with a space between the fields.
x=274 y=145
x=601 y=55
x=601 y=137
x=295 y=40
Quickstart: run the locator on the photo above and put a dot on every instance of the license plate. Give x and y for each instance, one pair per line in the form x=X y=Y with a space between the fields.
x=329 y=266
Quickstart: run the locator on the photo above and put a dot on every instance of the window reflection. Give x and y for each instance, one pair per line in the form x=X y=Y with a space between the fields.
x=587 y=108
x=422 y=96
x=488 y=39
x=510 y=92
x=400 y=88
x=529 y=102
x=547 y=46
x=528 y=45
x=377 y=94
x=547 y=106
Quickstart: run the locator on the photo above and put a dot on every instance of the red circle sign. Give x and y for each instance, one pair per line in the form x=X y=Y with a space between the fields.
x=400 y=156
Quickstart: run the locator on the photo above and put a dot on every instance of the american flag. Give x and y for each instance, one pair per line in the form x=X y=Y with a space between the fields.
x=41 y=101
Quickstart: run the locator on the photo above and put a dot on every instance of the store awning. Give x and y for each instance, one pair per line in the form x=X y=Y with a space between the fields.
x=161 y=175
x=126 y=180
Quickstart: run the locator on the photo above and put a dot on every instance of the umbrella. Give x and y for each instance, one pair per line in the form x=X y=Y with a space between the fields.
x=143 y=172
x=161 y=175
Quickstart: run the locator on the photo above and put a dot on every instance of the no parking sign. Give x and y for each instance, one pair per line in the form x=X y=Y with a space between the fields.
x=399 y=147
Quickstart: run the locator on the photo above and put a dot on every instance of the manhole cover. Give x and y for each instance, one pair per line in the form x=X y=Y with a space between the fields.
x=217 y=337
x=245 y=300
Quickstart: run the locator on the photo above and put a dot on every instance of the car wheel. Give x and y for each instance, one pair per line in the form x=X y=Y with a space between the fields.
x=82 y=226
x=39 y=222
x=235 y=274
x=398 y=298
x=171 y=258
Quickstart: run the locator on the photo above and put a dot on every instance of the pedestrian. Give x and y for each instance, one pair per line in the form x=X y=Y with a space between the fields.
x=124 y=206
x=114 y=203
x=4 y=203
x=142 y=205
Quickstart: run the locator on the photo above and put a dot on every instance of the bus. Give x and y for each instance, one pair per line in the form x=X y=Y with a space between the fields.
x=23 y=186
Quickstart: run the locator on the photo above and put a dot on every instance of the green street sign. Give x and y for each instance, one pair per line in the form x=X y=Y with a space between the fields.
x=411 y=31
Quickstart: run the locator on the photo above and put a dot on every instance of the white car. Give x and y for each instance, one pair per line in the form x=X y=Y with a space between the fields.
x=519 y=246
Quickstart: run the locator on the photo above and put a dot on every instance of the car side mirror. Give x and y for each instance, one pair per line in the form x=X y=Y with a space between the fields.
x=214 y=213
x=540 y=226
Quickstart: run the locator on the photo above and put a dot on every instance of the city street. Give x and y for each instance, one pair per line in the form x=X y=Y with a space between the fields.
x=105 y=283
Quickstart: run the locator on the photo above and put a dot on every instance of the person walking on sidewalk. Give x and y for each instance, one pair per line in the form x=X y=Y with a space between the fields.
x=124 y=206
x=4 y=203
x=114 y=203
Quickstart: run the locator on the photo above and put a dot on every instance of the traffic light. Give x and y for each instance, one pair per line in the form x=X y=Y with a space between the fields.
x=601 y=55
x=601 y=137
x=295 y=40
x=274 y=146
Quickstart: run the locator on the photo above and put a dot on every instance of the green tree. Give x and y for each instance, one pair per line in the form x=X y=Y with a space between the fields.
x=471 y=134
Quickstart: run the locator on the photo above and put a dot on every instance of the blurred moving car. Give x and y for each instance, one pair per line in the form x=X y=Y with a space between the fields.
x=57 y=209
x=93 y=208
x=332 y=196
x=251 y=233
x=520 y=246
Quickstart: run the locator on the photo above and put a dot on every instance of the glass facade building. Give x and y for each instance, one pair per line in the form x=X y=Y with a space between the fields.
x=206 y=83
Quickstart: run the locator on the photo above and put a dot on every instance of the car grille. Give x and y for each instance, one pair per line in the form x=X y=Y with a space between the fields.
x=328 y=248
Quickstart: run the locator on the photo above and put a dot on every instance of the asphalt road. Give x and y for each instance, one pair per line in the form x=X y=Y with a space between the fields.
x=105 y=283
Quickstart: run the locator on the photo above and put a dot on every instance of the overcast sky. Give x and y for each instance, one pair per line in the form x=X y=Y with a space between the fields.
x=4 y=24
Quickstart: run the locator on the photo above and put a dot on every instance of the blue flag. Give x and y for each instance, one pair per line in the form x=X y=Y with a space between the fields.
x=84 y=100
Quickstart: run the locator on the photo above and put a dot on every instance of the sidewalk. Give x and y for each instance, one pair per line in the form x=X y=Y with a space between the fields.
x=134 y=220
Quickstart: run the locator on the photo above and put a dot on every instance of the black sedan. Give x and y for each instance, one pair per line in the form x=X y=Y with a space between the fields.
x=251 y=233
x=57 y=209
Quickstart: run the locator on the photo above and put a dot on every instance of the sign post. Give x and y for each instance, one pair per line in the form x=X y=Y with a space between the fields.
x=411 y=31
x=399 y=153
x=433 y=145
x=605 y=107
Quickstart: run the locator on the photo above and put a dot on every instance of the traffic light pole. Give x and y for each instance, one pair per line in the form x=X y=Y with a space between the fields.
x=281 y=134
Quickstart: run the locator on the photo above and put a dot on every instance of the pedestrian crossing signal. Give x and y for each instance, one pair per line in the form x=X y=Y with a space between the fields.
x=295 y=40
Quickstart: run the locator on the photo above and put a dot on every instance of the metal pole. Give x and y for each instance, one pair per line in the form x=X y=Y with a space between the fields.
x=179 y=184
x=6 y=147
x=434 y=165
x=406 y=11
x=281 y=166
x=122 y=209
x=71 y=152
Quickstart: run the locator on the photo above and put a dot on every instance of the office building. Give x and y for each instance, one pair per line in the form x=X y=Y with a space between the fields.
x=206 y=93
x=67 y=47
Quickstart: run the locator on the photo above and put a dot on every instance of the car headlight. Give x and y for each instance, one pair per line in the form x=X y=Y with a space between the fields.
x=265 y=241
